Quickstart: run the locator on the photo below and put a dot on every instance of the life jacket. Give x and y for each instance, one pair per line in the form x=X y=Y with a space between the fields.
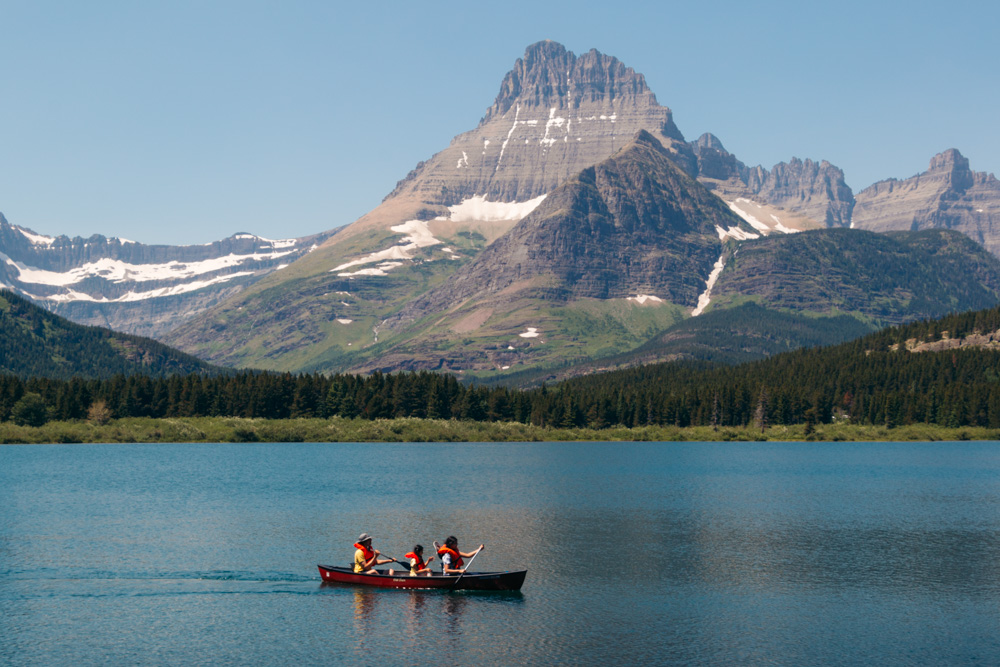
x=368 y=552
x=456 y=558
x=420 y=562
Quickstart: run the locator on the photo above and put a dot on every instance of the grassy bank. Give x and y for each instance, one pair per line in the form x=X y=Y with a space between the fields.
x=222 y=429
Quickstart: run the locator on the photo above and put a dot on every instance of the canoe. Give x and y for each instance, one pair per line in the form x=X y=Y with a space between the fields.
x=471 y=581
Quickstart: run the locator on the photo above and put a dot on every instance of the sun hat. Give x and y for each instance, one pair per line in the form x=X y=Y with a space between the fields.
x=365 y=537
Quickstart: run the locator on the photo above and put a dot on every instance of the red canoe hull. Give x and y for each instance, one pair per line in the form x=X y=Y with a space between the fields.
x=473 y=581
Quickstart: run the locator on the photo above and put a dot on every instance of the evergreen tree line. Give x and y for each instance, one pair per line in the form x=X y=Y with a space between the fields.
x=872 y=380
x=952 y=388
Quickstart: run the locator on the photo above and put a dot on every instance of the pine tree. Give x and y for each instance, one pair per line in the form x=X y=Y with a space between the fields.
x=760 y=414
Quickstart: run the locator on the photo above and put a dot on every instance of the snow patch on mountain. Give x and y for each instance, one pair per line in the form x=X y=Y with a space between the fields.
x=736 y=233
x=503 y=146
x=73 y=295
x=478 y=209
x=643 y=298
x=36 y=239
x=554 y=121
x=115 y=270
x=418 y=235
x=752 y=220
x=706 y=297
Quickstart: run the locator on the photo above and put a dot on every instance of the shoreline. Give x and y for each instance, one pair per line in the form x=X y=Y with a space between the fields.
x=337 y=429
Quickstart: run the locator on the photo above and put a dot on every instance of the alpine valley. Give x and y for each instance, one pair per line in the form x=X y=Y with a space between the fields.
x=573 y=229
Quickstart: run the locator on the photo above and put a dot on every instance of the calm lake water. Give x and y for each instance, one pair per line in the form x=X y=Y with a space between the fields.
x=651 y=553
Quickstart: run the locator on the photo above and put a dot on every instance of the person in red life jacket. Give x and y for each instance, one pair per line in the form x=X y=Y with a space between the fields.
x=451 y=557
x=366 y=558
x=418 y=566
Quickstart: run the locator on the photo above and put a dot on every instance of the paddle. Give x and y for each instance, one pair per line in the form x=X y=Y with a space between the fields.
x=437 y=548
x=396 y=560
x=455 y=585
x=405 y=564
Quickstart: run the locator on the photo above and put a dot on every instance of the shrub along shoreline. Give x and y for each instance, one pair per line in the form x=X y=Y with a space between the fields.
x=339 y=429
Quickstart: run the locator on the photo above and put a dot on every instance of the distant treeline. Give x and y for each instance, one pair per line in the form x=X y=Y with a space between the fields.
x=863 y=381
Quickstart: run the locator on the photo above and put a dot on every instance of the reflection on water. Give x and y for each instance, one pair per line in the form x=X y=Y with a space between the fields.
x=807 y=553
x=365 y=600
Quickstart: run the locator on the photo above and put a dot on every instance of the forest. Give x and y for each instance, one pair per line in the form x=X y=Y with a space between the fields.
x=871 y=380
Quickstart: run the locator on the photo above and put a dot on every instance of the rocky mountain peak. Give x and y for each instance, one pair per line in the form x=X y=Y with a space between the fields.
x=948 y=195
x=708 y=141
x=715 y=162
x=556 y=113
x=814 y=190
x=955 y=166
x=949 y=159
x=550 y=76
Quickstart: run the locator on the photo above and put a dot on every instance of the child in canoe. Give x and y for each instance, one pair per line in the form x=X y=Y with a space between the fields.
x=418 y=566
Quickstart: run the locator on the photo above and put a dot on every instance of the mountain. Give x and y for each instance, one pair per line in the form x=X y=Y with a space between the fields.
x=884 y=279
x=573 y=224
x=948 y=195
x=798 y=194
x=555 y=115
x=782 y=292
x=634 y=232
x=631 y=248
x=34 y=342
x=131 y=287
x=807 y=194
x=634 y=222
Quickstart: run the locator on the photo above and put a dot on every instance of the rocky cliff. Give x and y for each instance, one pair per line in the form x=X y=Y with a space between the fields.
x=815 y=191
x=948 y=195
x=556 y=113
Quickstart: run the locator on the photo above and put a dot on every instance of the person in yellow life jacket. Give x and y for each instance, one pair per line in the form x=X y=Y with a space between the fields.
x=366 y=558
x=451 y=557
x=418 y=566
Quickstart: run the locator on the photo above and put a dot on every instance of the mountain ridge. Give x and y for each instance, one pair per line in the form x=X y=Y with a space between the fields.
x=132 y=287
x=37 y=343
x=947 y=195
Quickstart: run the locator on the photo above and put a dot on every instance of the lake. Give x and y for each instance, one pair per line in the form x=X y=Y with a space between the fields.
x=637 y=553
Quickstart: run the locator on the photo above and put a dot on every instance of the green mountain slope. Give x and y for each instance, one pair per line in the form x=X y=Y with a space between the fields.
x=734 y=335
x=34 y=342
x=880 y=278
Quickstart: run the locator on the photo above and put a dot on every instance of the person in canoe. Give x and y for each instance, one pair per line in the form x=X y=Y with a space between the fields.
x=451 y=557
x=366 y=558
x=418 y=566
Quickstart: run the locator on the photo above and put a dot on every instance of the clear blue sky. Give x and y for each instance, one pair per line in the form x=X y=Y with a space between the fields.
x=186 y=121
